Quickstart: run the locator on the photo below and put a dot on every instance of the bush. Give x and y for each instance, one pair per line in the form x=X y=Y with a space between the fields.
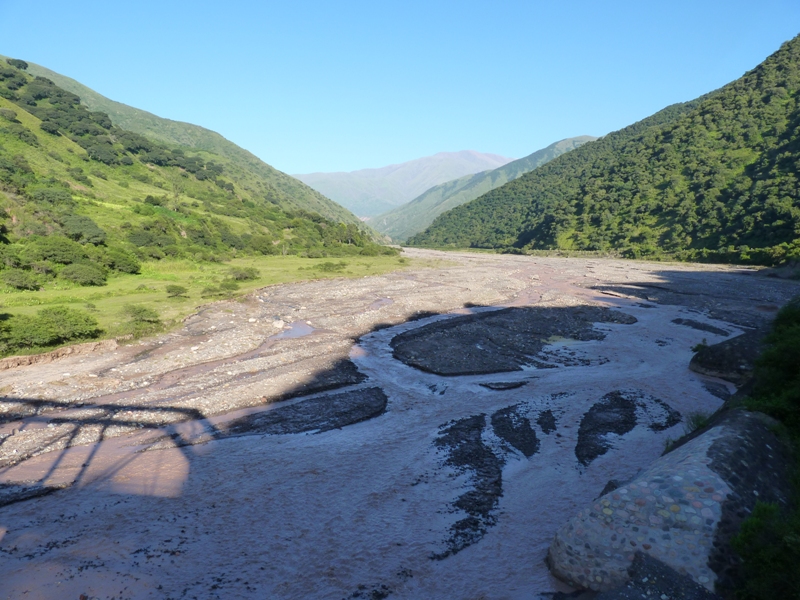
x=769 y=539
x=83 y=274
x=19 y=279
x=52 y=196
x=50 y=326
x=83 y=229
x=121 y=261
x=331 y=267
x=56 y=248
x=141 y=320
x=777 y=391
x=244 y=273
x=769 y=544
x=19 y=64
x=262 y=244
x=228 y=285
x=176 y=291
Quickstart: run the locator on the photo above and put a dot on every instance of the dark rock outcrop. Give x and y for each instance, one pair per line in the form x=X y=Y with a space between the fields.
x=498 y=341
x=732 y=360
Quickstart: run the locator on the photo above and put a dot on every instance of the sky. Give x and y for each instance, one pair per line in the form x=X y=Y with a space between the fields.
x=338 y=86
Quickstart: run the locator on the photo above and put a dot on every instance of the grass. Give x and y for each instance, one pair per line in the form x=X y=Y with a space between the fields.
x=148 y=289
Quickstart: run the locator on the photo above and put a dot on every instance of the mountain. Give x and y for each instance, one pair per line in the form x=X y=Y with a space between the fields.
x=713 y=179
x=411 y=218
x=370 y=192
x=77 y=189
x=244 y=166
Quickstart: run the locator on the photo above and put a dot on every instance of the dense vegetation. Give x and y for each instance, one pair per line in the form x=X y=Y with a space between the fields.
x=712 y=179
x=83 y=201
x=413 y=217
x=769 y=541
x=248 y=171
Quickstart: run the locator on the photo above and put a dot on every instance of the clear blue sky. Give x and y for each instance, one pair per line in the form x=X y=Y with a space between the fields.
x=327 y=86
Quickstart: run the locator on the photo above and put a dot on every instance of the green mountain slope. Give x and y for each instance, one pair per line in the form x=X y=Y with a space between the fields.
x=244 y=166
x=370 y=192
x=411 y=218
x=715 y=179
x=85 y=204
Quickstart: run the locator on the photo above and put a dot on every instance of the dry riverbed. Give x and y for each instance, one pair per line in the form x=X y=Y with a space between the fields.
x=422 y=433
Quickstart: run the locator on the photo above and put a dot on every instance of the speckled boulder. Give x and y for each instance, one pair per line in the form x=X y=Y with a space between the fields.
x=683 y=510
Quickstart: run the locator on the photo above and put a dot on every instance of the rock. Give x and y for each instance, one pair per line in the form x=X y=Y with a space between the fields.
x=278 y=324
x=732 y=360
x=498 y=341
x=320 y=414
x=651 y=578
x=515 y=428
x=701 y=326
x=466 y=452
x=500 y=386
x=683 y=510
x=618 y=413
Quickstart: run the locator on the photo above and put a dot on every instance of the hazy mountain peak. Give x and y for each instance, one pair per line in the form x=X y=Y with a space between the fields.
x=368 y=192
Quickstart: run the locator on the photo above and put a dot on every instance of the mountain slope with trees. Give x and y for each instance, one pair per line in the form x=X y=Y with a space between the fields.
x=712 y=179
x=413 y=217
x=247 y=168
x=84 y=202
x=369 y=192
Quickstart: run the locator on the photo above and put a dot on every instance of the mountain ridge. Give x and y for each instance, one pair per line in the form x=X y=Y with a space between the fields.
x=368 y=192
x=711 y=179
x=408 y=219
x=294 y=193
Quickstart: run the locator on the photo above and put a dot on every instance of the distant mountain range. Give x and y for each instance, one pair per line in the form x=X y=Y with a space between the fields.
x=411 y=218
x=291 y=193
x=711 y=179
x=370 y=192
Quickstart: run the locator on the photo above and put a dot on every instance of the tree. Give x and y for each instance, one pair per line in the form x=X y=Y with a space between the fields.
x=83 y=274
x=83 y=229
x=176 y=291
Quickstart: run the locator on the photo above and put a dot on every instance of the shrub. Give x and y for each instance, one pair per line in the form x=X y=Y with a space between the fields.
x=176 y=291
x=695 y=421
x=83 y=229
x=56 y=248
x=22 y=280
x=228 y=285
x=332 y=267
x=244 y=273
x=262 y=244
x=52 y=196
x=50 y=326
x=121 y=261
x=769 y=544
x=141 y=320
x=19 y=64
x=83 y=274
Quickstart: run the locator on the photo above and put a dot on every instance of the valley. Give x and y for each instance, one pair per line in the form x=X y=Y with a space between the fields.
x=419 y=433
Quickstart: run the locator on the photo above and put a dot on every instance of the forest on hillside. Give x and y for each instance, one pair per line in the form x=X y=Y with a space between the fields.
x=713 y=179
x=83 y=201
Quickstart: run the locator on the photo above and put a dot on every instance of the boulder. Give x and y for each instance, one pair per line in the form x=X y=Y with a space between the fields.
x=682 y=511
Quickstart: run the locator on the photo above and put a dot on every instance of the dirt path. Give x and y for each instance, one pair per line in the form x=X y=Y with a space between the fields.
x=278 y=511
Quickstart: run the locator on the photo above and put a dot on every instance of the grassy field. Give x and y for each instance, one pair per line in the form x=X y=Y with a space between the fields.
x=149 y=288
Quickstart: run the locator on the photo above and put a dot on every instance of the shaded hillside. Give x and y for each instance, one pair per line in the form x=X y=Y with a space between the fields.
x=292 y=194
x=711 y=179
x=409 y=219
x=369 y=192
